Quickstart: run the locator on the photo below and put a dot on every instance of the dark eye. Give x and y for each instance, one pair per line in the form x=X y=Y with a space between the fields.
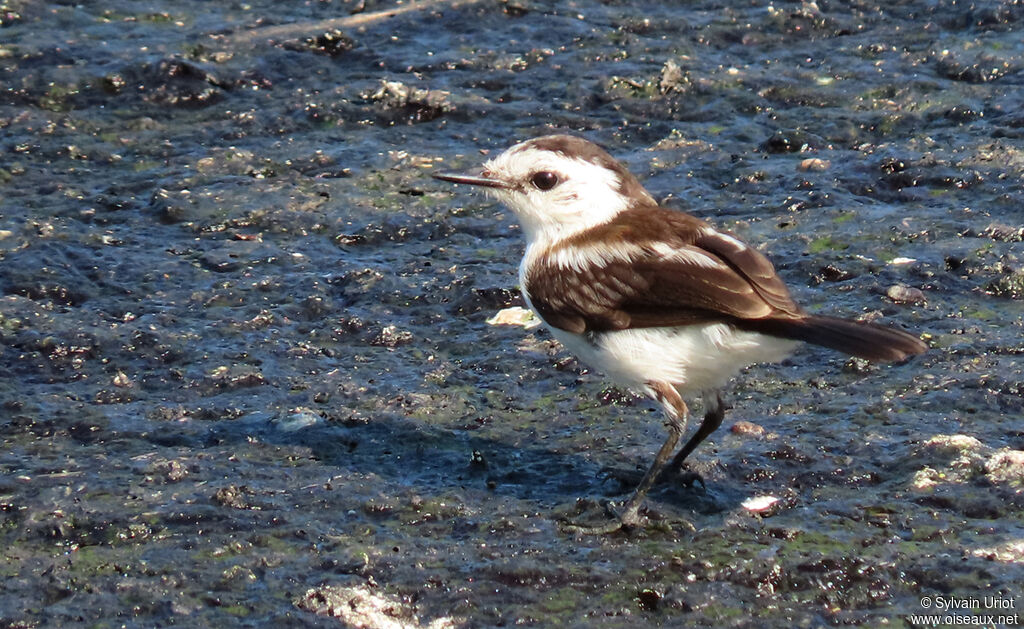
x=544 y=180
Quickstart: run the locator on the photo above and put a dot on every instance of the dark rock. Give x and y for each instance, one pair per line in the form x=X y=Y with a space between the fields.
x=332 y=43
x=390 y=336
x=791 y=141
x=832 y=273
x=488 y=300
x=981 y=68
x=178 y=83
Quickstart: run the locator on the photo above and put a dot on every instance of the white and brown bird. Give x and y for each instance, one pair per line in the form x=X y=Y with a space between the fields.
x=658 y=300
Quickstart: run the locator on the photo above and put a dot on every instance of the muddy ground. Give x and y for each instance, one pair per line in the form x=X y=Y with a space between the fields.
x=247 y=378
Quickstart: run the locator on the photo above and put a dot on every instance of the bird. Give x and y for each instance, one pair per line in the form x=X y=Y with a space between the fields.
x=659 y=301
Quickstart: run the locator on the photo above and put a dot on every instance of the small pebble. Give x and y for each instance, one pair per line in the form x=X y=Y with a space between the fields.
x=172 y=470
x=905 y=294
x=747 y=428
x=390 y=336
x=298 y=419
x=813 y=163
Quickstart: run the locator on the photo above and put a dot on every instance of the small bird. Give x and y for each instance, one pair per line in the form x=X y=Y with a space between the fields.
x=660 y=301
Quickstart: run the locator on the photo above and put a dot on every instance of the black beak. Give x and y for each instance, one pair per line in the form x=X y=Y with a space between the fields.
x=471 y=180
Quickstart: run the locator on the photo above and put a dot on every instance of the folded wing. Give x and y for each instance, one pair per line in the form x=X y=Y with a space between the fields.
x=654 y=269
x=663 y=269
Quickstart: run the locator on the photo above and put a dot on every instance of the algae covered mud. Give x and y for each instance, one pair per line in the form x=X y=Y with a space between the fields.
x=247 y=378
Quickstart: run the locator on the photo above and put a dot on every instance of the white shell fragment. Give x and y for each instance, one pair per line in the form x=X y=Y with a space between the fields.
x=759 y=504
x=516 y=315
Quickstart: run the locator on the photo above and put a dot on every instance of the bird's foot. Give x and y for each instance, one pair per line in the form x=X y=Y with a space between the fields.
x=590 y=517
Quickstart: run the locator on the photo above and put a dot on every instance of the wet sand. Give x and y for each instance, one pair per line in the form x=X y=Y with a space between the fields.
x=247 y=378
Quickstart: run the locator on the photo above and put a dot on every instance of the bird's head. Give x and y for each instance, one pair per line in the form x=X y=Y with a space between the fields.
x=557 y=185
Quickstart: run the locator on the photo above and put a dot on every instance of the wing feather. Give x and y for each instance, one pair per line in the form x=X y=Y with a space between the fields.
x=654 y=268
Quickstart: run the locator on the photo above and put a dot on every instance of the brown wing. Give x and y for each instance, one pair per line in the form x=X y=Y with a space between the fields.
x=652 y=268
x=748 y=263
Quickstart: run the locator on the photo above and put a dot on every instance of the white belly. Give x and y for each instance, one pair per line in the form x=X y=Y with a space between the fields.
x=693 y=358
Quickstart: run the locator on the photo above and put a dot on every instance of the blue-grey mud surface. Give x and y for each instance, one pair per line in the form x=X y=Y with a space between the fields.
x=247 y=378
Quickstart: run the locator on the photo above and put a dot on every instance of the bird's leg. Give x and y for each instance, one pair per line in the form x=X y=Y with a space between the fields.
x=676 y=411
x=713 y=416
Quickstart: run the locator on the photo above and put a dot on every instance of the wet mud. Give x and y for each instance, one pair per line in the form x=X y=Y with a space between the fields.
x=246 y=374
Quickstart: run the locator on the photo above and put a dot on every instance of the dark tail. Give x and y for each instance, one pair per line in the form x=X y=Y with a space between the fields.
x=869 y=341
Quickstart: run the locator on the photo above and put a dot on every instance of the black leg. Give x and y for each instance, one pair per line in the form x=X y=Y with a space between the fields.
x=713 y=417
x=676 y=411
